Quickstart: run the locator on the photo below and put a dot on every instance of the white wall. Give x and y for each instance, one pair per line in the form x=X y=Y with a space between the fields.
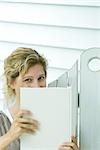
x=59 y=29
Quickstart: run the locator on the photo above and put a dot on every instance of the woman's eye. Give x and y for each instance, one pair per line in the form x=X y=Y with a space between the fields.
x=28 y=80
x=41 y=78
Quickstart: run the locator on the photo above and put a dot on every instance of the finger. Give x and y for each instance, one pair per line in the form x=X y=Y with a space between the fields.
x=65 y=148
x=68 y=148
x=74 y=140
x=23 y=130
x=22 y=112
x=27 y=121
x=71 y=145
x=28 y=127
x=75 y=147
x=68 y=144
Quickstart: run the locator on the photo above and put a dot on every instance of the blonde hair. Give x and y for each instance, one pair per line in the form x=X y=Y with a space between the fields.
x=19 y=61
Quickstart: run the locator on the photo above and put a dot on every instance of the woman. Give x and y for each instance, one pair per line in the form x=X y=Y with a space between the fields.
x=23 y=68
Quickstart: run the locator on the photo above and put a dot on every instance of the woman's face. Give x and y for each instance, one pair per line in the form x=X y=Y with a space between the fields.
x=34 y=78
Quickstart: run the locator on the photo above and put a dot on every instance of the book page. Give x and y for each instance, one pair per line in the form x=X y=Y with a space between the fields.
x=52 y=108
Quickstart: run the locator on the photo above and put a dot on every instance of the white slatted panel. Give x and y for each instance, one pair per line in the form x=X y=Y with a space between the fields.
x=61 y=30
x=55 y=57
x=53 y=15
x=51 y=36
x=60 y=2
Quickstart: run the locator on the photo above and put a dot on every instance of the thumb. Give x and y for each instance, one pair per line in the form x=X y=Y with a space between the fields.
x=74 y=139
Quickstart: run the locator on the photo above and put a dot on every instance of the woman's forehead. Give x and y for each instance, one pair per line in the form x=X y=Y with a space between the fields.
x=35 y=70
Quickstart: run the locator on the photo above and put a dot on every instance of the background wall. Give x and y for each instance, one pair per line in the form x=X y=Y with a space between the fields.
x=59 y=29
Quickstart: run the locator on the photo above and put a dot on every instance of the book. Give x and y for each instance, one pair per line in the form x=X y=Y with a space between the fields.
x=52 y=107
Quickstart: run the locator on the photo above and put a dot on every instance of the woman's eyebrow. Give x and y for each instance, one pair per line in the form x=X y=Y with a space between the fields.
x=43 y=74
x=27 y=77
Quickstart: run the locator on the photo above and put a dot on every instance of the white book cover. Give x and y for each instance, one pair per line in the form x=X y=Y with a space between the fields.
x=52 y=108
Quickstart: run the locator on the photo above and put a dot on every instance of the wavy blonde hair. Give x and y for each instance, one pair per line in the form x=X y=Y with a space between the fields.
x=19 y=61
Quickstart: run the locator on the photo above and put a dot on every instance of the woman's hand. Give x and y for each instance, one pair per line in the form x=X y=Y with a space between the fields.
x=22 y=125
x=69 y=146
